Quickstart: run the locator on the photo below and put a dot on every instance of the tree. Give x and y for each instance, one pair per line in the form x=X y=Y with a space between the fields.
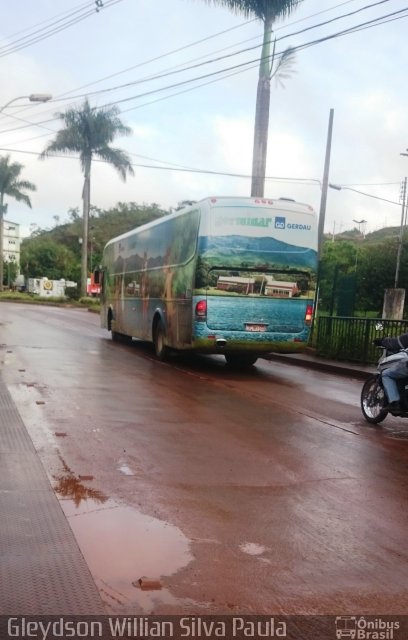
x=267 y=11
x=89 y=132
x=376 y=272
x=40 y=254
x=339 y=259
x=43 y=256
x=11 y=185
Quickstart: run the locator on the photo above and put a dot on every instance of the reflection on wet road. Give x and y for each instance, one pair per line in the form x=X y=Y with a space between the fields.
x=257 y=492
x=121 y=545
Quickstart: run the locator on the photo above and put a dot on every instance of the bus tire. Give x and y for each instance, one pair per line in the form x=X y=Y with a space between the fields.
x=240 y=360
x=159 y=335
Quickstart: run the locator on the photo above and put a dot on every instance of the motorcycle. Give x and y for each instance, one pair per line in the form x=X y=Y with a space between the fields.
x=374 y=404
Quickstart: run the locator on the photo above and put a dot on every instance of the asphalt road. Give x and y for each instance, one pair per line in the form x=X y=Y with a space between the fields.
x=259 y=492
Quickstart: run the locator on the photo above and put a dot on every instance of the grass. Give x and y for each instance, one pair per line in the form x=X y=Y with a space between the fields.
x=17 y=296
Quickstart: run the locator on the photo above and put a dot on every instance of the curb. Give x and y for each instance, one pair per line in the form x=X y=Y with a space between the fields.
x=346 y=369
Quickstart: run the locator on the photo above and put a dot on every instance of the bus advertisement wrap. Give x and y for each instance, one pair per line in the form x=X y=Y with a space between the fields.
x=224 y=275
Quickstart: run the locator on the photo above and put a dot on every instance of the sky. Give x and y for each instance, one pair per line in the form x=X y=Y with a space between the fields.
x=193 y=128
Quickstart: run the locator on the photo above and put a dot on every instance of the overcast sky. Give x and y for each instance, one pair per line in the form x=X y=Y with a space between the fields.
x=207 y=124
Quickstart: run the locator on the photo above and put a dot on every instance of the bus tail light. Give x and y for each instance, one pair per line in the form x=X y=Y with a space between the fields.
x=309 y=314
x=201 y=309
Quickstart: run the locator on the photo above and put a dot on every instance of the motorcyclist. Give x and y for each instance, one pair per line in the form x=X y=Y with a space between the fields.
x=397 y=372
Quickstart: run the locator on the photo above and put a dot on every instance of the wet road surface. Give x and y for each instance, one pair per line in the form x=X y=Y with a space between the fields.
x=259 y=492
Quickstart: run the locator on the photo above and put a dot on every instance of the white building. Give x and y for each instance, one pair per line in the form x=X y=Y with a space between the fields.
x=11 y=242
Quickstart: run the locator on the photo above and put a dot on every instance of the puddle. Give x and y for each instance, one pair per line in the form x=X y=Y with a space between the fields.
x=252 y=548
x=127 y=471
x=120 y=545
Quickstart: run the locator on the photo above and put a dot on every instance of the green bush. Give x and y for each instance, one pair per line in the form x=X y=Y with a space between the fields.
x=15 y=295
x=86 y=300
x=72 y=293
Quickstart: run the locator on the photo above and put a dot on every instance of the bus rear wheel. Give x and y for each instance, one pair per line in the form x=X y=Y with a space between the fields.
x=240 y=361
x=159 y=335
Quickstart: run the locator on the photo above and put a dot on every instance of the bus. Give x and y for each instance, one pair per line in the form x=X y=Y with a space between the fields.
x=232 y=276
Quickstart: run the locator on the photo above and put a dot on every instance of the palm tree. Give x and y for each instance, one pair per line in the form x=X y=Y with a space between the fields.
x=89 y=132
x=267 y=11
x=11 y=185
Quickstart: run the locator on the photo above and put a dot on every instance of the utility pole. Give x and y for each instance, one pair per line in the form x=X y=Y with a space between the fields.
x=401 y=233
x=322 y=216
x=325 y=184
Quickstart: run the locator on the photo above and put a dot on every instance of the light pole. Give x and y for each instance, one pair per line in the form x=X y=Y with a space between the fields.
x=322 y=217
x=360 y=222
x=325 y=184
x=92 y=240
x=33 y=97
x=393 y=302
x=401 y=233
x=340 y=187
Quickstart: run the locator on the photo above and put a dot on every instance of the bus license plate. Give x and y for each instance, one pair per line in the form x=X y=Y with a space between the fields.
x=251 y=326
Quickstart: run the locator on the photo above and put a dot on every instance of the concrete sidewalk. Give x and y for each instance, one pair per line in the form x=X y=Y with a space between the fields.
x=42 y=570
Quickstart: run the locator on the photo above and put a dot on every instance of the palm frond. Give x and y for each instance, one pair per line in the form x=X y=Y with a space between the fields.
x=118 y=158
x=19 y=196
x=283 y=68
x=24 y=184
x=261 y=9
x=10 y=183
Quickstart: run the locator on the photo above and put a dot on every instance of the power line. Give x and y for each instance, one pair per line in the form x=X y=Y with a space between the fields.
x=367 y=24
x=226 y=56
x=222 y=32
x=181 y=169
x=34 y=39
x=192 y=44
x=43 y=135
x=184 y=169
x=235 y=69
x=163 y=55
x=17 y=33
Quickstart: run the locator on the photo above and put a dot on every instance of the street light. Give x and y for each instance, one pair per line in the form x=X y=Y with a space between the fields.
x=360 y=222
x=340 y=187
x=33 y=97
x=404 y=204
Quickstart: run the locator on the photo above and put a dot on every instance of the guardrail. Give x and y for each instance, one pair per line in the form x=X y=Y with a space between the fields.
x=351 y=339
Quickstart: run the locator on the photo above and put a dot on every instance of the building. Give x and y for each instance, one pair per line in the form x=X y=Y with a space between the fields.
x=11 y=242
x=236 y=284
x=280 y=289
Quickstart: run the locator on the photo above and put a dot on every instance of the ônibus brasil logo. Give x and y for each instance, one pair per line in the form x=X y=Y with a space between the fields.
x=358 y=628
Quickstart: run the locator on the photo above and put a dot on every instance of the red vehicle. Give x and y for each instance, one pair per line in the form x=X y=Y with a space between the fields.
x=92 y=289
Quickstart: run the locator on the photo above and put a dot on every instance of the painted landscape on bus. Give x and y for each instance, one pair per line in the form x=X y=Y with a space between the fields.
x=254 y=266
x=235 y=250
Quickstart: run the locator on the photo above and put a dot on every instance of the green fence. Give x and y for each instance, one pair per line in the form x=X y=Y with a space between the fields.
x=351 y=338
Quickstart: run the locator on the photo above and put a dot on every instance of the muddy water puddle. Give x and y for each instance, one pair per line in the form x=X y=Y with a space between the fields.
x=121 y=546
